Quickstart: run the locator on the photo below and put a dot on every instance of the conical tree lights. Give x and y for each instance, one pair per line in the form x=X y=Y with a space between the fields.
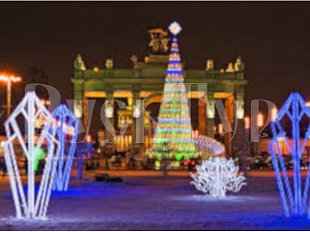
x=173 y=136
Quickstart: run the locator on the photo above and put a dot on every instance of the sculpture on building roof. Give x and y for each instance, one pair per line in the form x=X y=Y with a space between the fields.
x=109 y=63
x=210 y=65
x=79 y=63
x=159 y=40
x=134 y=59
x=239 y=65
x=230 y=68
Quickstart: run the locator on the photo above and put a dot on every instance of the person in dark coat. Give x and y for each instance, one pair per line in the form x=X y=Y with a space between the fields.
x=3 y=167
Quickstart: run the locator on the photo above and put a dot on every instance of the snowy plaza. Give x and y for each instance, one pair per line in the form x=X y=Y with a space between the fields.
x=148 y=201
x=158 y=146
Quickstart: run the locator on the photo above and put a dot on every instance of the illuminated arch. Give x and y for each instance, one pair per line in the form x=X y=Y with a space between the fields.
x=153 y=98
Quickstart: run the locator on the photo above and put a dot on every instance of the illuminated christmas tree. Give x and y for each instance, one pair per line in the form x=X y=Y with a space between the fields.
x=173 y=135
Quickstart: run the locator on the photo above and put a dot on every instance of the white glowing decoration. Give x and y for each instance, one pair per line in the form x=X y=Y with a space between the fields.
x=210 y=109
x=216 y=176
x=136 y=111
x=108 y=109
x=28 y=204
x=78 y=108
x=209 y=145
x=239 y=108
x=175 y=28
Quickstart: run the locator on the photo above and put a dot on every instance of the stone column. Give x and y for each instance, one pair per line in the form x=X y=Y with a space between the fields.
x=78 y=104
x=108 y=116
x=202 y=117
x=239 y=133
x=210 y=114
x=78 y=108
x=138 y=125
x=78 y=88
x=239 y=103
x=85 y=112
x=229 y=109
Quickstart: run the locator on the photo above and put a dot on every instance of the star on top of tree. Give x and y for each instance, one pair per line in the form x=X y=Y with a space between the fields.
x=175 y=28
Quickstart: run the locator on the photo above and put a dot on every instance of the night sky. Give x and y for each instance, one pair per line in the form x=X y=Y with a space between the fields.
x=272 y=38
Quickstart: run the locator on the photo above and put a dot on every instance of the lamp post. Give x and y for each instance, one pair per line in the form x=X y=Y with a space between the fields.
x=259 y=123
x=274 y=113
x=9 y=79
x=260 y=120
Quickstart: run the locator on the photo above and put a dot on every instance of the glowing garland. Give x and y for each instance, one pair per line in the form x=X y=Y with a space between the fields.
x=296 y=201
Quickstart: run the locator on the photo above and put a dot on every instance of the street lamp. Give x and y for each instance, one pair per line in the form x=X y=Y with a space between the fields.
x=274 y=113
x=246 y=145
x=9 y=79
x=246 y=123
x=259 y=123
x=221 y=129
x=260 y=119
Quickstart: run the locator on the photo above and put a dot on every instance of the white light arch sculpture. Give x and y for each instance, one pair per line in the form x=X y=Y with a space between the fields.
x=209 y=145
x=31 y=206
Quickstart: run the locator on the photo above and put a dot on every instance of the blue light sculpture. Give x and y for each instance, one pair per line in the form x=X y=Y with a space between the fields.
x=84 y=150
x=294 y=200
x=67 y=132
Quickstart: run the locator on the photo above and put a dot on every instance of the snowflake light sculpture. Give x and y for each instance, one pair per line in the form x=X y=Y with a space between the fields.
x=216 y=176
x=67 y=132
x=296 y=201
x=29 y=204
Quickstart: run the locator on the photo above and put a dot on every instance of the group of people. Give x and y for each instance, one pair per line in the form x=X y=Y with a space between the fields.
x=92 y=165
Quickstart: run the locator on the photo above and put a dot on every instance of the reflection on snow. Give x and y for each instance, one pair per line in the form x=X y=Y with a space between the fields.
x=228 y=198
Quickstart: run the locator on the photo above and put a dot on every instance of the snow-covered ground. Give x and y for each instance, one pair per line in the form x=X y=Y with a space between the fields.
x=148 y=201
